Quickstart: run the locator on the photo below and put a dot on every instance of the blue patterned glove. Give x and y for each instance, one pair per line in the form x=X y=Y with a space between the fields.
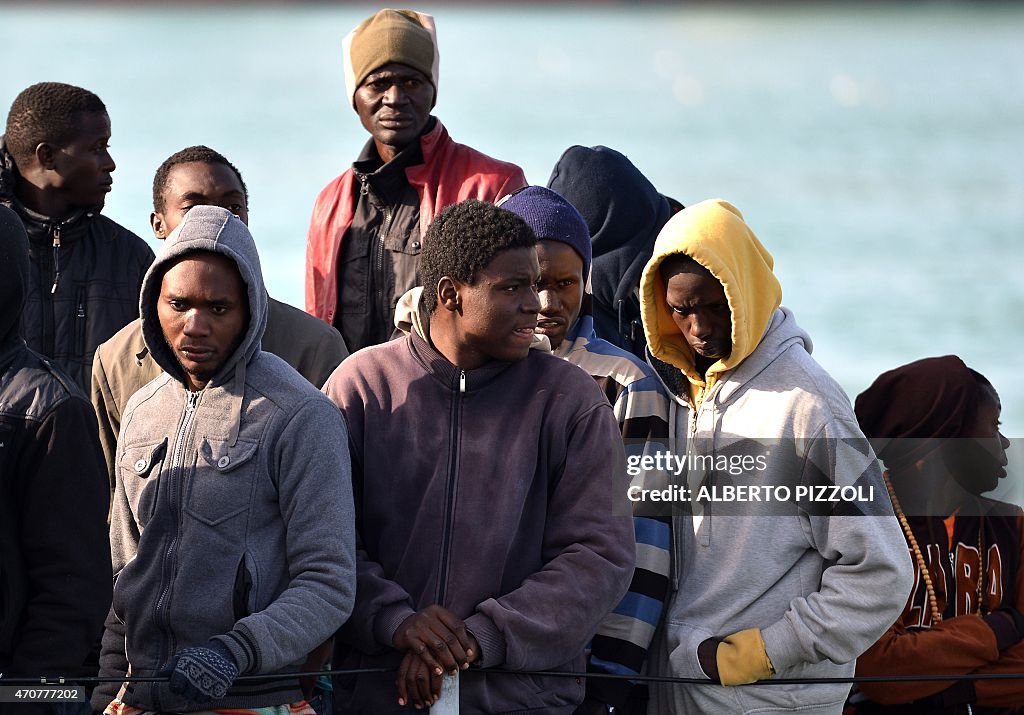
x=203 y=673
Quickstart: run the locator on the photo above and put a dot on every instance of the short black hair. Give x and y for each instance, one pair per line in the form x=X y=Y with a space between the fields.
x=463 y=239
x=47 y=112
x=188 y=155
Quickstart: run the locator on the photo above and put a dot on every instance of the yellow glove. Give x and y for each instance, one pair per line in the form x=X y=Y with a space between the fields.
x=742 y=658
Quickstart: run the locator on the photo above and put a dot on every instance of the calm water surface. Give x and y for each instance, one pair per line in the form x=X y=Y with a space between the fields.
x=876 y=151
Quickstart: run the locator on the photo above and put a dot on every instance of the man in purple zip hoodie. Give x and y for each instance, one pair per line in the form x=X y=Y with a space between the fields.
x=492 y=531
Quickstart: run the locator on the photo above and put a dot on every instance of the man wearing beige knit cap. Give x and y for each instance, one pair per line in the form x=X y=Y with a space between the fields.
x=368 y=225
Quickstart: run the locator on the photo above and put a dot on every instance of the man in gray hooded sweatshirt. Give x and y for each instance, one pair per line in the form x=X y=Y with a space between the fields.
x=216 y=474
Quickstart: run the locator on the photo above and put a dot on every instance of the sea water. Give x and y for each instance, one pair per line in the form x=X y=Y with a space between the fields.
x=876 y=150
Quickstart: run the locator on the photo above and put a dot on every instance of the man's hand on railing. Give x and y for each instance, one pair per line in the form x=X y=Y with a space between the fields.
x=439 y=638
x=417 y=683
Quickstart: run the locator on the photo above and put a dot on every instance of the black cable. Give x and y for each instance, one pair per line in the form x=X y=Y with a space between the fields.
x=550 y=674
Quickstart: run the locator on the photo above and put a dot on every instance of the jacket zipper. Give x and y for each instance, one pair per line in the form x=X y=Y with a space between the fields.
x=176 y=468
x=49 y=318
x=449 y=507
x=378 y=245
x=378 y=258
x=56 y=258
x=80 y=333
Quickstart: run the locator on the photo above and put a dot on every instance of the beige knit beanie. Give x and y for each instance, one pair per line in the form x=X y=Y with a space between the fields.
x=404 y=36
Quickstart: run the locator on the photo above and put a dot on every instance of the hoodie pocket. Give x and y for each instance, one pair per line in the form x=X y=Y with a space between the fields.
x=140 y=468
x=682 y=640
x=245 y=584
x=221 y=486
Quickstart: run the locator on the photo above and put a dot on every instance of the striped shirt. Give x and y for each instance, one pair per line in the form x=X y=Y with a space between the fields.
x=641 y=407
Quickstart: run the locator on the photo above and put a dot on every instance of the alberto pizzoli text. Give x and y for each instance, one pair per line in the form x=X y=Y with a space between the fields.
x=754 y=493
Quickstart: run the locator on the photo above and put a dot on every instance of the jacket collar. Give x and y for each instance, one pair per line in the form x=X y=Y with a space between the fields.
x=41 y=228
x=438 y=366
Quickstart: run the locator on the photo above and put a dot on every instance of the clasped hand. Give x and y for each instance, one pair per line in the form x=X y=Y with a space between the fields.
x=435 y=641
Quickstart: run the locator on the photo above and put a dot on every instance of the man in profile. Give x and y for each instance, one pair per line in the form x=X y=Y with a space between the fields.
x=369 y=224
x=55 y=172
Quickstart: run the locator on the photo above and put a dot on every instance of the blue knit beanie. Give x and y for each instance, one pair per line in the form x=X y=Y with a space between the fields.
x=552 y=218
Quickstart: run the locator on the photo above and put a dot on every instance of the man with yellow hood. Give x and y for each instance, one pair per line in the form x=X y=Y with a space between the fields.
x=778 y=583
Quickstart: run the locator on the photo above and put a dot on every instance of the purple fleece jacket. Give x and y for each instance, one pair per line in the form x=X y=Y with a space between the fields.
x=493 y=492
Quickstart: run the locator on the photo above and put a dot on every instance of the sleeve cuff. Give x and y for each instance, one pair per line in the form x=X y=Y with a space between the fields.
x=242 y=647
x=388 y=619
x=1004 y=627
x=490 y=640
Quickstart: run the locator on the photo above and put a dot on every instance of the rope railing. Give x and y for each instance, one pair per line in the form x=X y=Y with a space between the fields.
x=930 y=677
x=448 y=700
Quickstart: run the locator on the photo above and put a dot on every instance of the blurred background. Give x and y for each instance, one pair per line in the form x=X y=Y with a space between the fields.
x=876 y=149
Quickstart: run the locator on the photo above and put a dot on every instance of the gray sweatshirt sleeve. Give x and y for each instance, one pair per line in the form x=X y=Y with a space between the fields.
x=866 y=585
x=315 y=499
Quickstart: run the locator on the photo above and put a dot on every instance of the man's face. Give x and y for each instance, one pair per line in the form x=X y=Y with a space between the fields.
x=198 y=183
x=700 y=310
x=83 y=167
x=204 y=313
x=499 y=311
x=979 y=463
x=393 y=103
x=560 y=289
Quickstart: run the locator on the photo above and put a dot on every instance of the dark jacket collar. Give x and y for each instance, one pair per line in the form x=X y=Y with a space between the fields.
x=450 y=375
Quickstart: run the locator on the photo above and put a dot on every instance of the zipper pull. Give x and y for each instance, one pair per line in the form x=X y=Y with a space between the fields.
x=192 y=402
x=462 y=381
x=56 y=259
x=364 y=185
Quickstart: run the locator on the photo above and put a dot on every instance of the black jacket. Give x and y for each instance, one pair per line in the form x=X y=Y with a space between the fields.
x=55 y=579
x=83 y=291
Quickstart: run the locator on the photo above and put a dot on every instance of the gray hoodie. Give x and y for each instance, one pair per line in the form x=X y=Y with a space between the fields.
x=821 y=580
x=229 y=521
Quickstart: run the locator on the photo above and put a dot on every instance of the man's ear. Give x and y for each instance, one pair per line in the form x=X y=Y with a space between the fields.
x=46 y=155
x=157 y=223
x=448 y=294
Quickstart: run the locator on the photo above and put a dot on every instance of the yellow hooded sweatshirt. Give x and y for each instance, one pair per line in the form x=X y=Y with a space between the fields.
x=713 y=234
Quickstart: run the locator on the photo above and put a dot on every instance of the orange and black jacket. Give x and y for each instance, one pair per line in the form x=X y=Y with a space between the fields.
x=966 y=641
